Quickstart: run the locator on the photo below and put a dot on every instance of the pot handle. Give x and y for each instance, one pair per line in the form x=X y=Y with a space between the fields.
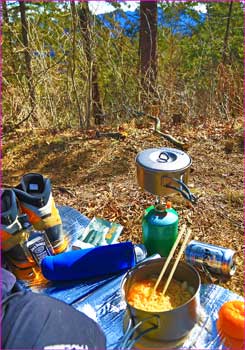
x=186 y=193
x=163 y=157
x=127 y=342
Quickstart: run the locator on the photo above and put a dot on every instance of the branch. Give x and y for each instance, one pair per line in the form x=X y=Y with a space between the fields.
x=170 y=138
x=64 y=190
x=18 y=124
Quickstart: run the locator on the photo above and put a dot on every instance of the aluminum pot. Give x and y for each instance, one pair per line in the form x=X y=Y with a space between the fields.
x=166 y=326
x=163 y=171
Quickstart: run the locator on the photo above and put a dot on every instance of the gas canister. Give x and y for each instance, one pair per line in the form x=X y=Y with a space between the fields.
x=159 y=229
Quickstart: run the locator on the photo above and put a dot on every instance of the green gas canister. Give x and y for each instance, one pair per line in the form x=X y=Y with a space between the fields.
x=159 y=229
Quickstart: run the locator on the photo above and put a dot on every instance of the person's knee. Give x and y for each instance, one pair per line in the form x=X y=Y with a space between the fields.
x=35 y=320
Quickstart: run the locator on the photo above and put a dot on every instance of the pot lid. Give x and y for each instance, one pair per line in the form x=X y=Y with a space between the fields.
x=163 y=159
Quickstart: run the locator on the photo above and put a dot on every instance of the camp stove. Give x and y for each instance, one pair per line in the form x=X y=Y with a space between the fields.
x=162 y=171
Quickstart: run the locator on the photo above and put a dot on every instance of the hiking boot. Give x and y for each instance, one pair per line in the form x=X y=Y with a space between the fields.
x=36 y=200
x=13 y=233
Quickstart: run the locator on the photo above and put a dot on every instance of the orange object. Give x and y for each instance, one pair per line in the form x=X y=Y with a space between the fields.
x=230 y=342
x=230 y=324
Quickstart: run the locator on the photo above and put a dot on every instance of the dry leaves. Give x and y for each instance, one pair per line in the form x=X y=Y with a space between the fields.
x=98 y=178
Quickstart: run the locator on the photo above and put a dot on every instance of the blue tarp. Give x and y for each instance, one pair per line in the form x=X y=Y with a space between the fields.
x=101 y=299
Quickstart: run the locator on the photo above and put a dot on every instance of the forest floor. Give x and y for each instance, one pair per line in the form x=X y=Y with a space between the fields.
x=97 y=176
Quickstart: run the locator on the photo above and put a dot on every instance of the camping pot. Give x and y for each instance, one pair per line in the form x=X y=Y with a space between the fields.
x=163 y=171
x=166 y=326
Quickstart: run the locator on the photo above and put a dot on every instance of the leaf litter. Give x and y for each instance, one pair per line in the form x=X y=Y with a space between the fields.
x=98 y=178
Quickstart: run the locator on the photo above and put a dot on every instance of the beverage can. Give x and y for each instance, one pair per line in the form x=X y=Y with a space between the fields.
x=216 y=259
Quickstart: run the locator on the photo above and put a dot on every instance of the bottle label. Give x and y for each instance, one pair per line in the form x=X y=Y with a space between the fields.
x=38 y=249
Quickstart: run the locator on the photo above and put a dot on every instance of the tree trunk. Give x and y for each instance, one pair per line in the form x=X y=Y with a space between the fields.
x=24 y=29
x=224 y=58
x=73 y=64
x=6 y=20
x=148 y=46
x=94 y=100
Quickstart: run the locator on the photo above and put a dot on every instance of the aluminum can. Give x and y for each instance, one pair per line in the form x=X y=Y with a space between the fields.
x=216 y=259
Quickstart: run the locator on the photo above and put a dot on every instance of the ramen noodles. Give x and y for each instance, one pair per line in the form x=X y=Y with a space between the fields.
x=141 y=295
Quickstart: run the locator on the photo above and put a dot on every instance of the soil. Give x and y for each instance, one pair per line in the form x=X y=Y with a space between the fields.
x=97 y=176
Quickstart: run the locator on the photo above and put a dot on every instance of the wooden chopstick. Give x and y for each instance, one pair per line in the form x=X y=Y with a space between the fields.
x=176 y=261
x=182 y=230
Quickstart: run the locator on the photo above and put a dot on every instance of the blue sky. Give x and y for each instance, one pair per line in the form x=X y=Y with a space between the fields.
x=98 y=7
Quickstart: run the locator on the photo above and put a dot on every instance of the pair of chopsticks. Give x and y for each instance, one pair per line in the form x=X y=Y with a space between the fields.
x=182 y=231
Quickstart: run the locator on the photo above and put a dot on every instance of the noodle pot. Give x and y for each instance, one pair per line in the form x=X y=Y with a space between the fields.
x=163 y=171
x=165 y=326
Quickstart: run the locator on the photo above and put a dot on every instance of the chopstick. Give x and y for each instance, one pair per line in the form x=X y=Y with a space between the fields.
x=176 y=261
x=182 y=230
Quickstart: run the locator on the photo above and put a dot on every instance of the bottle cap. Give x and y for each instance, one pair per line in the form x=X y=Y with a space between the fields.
x=140 y=252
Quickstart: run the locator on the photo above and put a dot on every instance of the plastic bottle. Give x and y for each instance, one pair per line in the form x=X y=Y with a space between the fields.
x=159 y=229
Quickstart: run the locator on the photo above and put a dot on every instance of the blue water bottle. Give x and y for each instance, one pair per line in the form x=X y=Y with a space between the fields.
x=89 y=263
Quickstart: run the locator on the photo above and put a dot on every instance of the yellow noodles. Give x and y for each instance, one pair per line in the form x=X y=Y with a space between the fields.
x=139 y=295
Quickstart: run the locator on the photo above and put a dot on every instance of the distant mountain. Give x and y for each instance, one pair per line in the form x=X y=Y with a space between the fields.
x=129 y=21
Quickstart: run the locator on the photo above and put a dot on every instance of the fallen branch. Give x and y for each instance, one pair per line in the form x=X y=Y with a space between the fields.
x=236 y=223
x=170 y=138
x=65 y=190
x=18 y=124
x=114 y=135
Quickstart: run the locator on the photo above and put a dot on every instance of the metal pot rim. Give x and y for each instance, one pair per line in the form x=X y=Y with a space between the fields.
x=163 y=160
x=145 y=263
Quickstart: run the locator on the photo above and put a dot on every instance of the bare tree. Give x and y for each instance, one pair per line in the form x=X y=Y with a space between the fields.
x=148 y=45
x=94 y=101
x=73 y=65
x=224 y=58
x=6 y=20
x=24 y=29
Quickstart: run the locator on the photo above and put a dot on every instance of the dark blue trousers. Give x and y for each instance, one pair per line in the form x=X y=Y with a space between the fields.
x=36 y=321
